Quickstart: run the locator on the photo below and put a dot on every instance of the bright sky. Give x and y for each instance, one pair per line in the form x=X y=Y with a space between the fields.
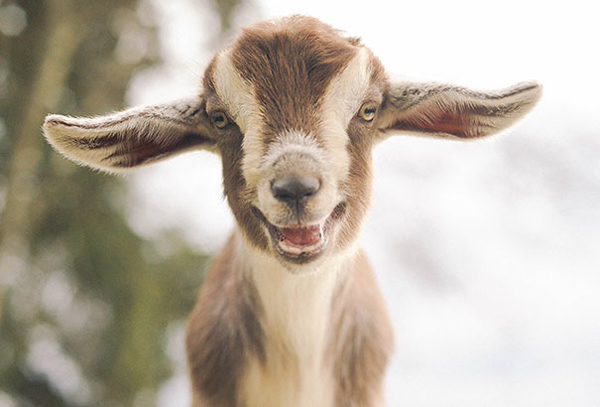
x=487 y=252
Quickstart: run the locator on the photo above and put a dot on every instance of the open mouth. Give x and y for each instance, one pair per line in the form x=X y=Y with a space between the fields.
x=301 y=243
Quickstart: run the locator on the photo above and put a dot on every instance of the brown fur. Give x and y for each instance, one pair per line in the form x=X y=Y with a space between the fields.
x=291 y=62
x=361 y=338
x=235 y=188
x=223 y=331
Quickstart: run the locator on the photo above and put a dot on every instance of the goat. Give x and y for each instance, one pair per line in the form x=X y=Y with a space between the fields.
x=290 y=314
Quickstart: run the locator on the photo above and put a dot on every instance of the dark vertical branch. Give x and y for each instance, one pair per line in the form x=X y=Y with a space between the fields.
x=225 y=9
x=61 y=37
x=60 y=220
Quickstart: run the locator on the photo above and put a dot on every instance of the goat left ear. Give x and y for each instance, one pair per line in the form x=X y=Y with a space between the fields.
x=133 y=137
x=456 y=112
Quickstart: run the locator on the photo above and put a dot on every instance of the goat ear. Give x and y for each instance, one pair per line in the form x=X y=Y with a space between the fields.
x=451 y=111
x=131 y=137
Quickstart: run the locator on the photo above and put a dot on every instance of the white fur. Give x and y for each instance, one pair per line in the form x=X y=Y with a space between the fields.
x=156 y=123
x=296 y=153
x=341 y=102
x=296 y=320
x=240 y=98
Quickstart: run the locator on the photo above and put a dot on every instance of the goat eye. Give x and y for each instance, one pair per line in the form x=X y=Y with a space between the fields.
x=219 y=119
x=367 y=111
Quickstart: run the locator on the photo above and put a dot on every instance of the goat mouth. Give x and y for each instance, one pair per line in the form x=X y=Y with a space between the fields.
x=301 y=243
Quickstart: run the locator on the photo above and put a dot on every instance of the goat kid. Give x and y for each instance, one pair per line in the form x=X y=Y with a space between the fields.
x=290 y=313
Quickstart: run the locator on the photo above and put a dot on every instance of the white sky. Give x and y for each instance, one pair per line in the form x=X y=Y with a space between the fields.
x=488 y=252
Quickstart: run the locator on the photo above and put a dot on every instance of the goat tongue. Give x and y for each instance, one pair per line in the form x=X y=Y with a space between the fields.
x=302 y=236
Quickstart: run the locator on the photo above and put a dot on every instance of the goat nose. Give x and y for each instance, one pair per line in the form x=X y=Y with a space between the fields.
x=295 y=190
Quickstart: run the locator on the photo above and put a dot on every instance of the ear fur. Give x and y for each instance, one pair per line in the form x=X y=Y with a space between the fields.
x=132 y=137
x=451 y=111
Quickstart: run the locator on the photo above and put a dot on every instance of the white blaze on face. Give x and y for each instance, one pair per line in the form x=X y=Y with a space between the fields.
x=239 y=97
x=341 y=102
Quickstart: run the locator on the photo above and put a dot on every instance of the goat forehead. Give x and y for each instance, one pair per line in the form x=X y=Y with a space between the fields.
x=287 y=97
x=286 y=72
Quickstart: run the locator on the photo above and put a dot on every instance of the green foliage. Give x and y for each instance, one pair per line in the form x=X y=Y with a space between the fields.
x=85 y=303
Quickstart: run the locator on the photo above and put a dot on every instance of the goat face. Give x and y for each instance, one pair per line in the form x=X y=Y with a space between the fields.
x=294 y=109
x=294 y=104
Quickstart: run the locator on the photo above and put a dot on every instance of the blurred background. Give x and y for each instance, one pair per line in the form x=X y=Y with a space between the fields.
x=488 y=252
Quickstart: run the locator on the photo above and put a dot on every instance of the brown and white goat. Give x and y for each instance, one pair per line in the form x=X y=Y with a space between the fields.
x=290 y=313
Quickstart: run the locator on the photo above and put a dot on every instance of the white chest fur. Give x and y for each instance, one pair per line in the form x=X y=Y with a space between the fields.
x=296 y=323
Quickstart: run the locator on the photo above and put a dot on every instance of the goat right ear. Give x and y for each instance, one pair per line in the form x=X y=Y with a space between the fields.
x=451 y=111
x=132 y=137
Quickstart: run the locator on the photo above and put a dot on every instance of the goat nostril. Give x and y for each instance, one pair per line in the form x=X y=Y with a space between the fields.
x=295 y=189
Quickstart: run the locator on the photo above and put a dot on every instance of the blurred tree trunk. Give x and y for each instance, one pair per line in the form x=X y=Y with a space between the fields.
x=61 y=37
x=59 y=222
x=226 y=8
